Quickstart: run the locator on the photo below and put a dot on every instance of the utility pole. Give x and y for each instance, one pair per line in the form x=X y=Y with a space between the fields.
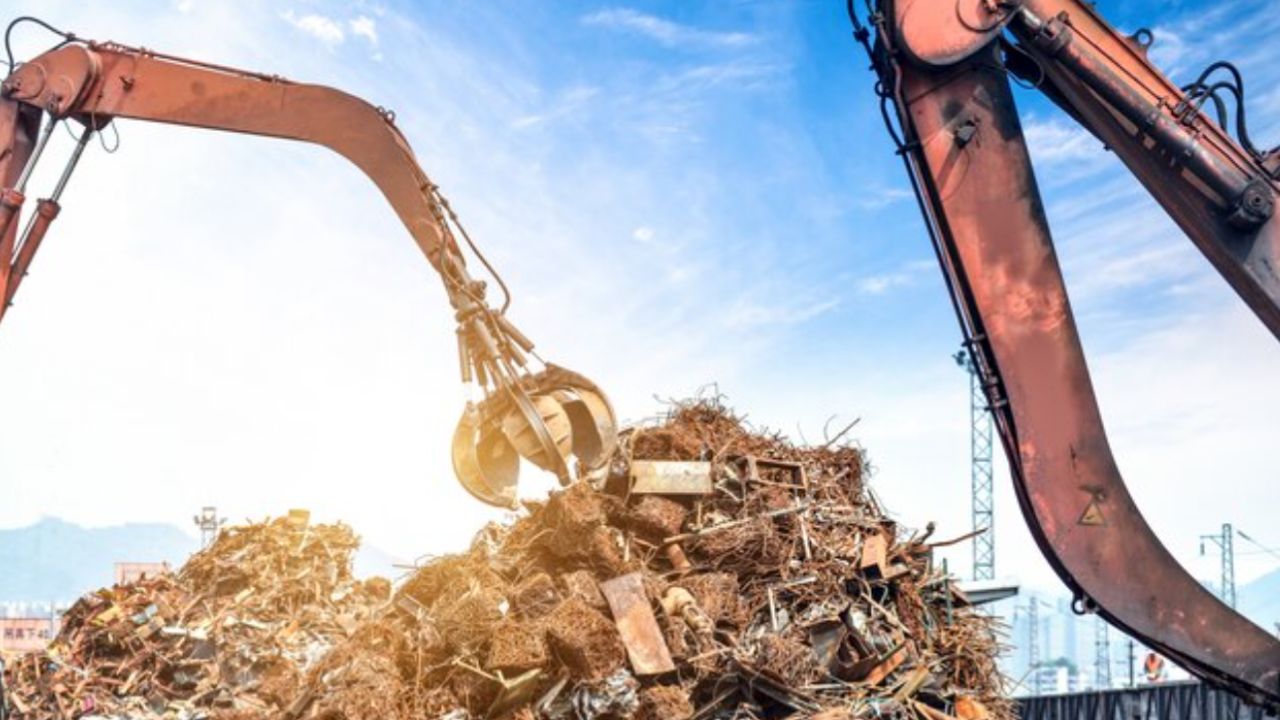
x=1033 y=637
x=980 y=472
x=209 y=523
x=1133 y=660
x=1226 y=549
x=1101 y=653
x=1033 y=643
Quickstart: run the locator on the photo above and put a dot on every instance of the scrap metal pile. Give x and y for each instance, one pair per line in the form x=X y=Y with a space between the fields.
x=232 y=632
x=716 y=572
x=722 y=573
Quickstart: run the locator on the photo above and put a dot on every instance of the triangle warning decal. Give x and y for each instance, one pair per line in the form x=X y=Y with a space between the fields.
x=1093 y=514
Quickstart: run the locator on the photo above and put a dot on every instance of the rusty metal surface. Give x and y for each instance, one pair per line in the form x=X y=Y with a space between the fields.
x=19 y=125
x=944 y=32
x=639 y=629
x=969 y=160
x=108 y=82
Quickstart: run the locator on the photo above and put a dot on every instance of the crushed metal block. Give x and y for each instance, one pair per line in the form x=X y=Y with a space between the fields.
x=664 y=702
x=655 y=517
x=535 y=597
x=581 y=584
x=584 y=640
x=718 y=594
x=517 y=646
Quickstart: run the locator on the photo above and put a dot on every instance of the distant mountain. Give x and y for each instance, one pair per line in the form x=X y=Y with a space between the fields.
x=54 y=560
x=57 y=561
x=1260 y=600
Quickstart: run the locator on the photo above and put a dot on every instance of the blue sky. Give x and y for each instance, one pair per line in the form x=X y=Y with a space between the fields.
x=678 y=194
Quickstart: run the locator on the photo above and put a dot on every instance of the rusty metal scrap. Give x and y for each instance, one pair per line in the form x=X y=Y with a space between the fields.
x=637 y=626
x=784 y=592
x=230 y=636
x=670 y=477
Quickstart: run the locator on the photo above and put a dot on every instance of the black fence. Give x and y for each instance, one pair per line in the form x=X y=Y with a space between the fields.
x=1168 y=701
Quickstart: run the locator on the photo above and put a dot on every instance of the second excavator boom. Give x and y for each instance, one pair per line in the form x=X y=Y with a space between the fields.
x=943 y=68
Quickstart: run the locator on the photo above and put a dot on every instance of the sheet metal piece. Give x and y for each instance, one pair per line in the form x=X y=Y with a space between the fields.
x=639 y=629
x=670 y=477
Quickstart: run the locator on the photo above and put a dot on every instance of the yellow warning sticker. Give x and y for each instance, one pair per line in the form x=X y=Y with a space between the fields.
x=1093 y=514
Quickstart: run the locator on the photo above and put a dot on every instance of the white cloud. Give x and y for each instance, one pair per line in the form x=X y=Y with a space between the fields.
x=876 y=197
x=905 y=276
x=323 y=28
x=642 y=234
x=1168 y=50
x=365 y=27
x=749 y=312
x=567 y=104
x=665 y=31
x=1055 y=141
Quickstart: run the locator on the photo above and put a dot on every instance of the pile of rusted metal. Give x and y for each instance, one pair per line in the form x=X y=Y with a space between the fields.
x=230 y=636
x=717 y=572
x=720 y=573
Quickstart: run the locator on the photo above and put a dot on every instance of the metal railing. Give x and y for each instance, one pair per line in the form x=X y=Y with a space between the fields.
x=1167 y=701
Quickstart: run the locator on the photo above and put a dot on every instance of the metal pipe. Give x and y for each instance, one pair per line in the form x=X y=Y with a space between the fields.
x=30 y=167
x=71 y=164
x=464 y=356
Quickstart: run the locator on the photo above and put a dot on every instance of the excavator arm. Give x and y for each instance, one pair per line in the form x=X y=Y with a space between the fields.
x=544 y=416
x=943 y=69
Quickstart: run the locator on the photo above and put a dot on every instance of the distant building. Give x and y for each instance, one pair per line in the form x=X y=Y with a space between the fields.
x=26 y=634
x=127 y=572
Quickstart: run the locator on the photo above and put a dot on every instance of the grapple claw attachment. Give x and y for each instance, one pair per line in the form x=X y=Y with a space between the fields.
x=544 y=418
x=485 y=463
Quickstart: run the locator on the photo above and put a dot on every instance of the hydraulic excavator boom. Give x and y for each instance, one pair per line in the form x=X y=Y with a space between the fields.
x=943 y=69
x=544 y=416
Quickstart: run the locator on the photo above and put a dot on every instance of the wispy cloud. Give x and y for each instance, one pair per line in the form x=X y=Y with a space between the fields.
x=568 y=103
x=321 y=27
x=1054 y=142
x=666 y=32
x=365 y=27
x=750 y=312
x=1168 y=51
x=905 y=276
x=878 y=196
